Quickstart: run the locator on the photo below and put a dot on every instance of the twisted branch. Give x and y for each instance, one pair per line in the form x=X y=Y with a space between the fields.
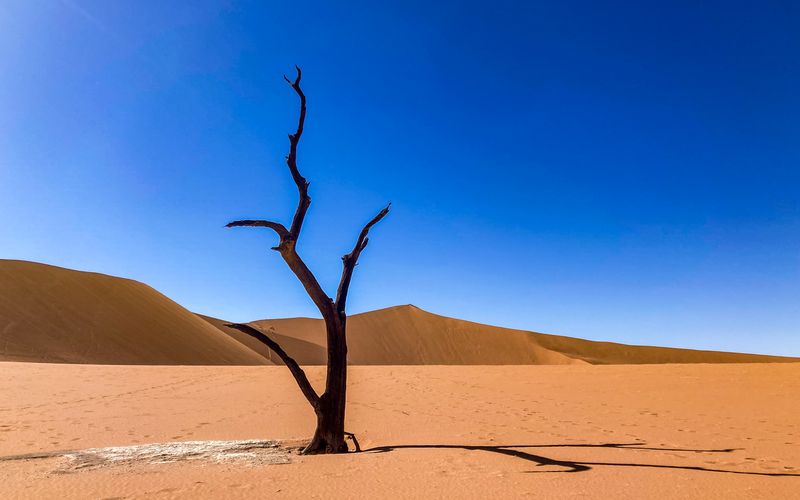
x=299 y=374
x=350 y=260
x=289 y=237
x=291 y=160
x=279 y=228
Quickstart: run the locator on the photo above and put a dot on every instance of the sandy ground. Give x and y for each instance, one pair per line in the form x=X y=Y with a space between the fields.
x=646 y=431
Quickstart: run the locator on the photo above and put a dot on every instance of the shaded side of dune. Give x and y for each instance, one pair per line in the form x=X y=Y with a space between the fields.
x=52 y=314
x=304 y=352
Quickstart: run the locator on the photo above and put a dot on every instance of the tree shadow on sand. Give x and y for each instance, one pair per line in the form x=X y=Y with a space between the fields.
x=513 y=450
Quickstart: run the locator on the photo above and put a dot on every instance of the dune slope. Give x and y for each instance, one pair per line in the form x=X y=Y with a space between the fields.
x=407 y=335
x=52 y=314
x=306 y=353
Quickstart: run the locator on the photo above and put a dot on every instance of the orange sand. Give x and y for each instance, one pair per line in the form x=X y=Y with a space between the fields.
x=635 y=431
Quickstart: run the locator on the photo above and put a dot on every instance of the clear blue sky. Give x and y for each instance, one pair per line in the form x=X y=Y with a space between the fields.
x=627 y=171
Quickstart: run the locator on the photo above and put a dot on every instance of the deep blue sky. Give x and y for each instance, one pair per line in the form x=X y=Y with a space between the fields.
x=627 y=171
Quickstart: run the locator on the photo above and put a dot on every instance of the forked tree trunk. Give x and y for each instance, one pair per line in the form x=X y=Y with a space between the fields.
x=329 y=436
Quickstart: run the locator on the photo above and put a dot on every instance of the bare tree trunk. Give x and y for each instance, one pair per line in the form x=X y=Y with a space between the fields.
x=329 y=436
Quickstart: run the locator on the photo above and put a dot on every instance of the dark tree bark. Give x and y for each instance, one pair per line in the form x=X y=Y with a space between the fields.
x=329 y=436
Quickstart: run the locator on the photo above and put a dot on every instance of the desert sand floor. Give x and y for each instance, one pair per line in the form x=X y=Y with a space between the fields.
x=646 y=431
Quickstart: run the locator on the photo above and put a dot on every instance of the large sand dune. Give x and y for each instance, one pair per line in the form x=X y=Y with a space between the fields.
x=51 y=314
x=623 y=432
x=407 y=335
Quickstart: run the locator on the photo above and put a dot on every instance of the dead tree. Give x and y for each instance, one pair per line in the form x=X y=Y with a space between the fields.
x=330 y=406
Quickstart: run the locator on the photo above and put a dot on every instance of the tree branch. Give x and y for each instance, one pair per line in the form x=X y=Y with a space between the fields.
x=279 y=228
x=291 y=160
x=299 y=374
x=355 y=440
x=289 y=237
x=350 y=260
x=307 y=278
x=287 y=249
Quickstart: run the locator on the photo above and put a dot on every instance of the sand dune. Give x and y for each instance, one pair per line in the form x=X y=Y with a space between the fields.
x=76 y=430
x=407 y=335
x=623 y=432
x=51 y=314
x=306 y=352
